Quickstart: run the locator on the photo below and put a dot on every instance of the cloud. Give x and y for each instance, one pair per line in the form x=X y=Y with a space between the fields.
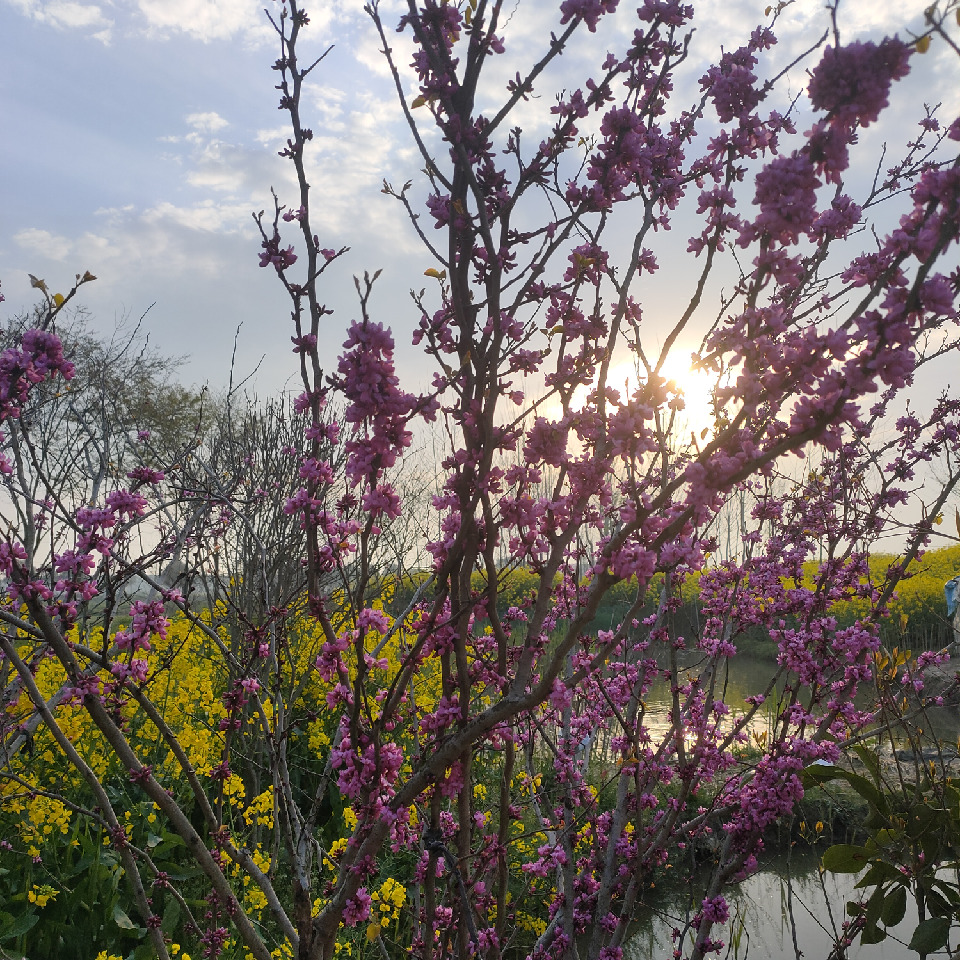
x=213 y=164
x=205 y=19
x=208 y=122
x=326 y=104
x=205 y=217
x=217 y=177
x=44 y=243
x=209 y=20
x=347 y=161
x=163 y=242
x=68 y=15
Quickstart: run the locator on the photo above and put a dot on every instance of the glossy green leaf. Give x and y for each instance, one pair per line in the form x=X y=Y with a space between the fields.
x=930 y=935
x=122 y=920
x=19 y=926
x=894 y=907
x=845 y=858
x=821 y=773
x=870 y=760
x=949 y=890
x=878 y=873
x=171 y=915
x=874 y=909
x=938 y=905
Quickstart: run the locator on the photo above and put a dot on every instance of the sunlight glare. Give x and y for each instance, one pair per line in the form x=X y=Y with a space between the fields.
x=696 y=386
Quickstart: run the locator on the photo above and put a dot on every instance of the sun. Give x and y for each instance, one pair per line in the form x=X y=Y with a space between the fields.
x=695 y=387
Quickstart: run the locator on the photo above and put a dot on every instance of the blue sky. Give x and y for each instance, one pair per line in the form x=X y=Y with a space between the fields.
x=139 y=135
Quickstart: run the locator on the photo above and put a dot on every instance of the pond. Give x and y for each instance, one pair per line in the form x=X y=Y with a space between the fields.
x=747 y=676
x=787 y=906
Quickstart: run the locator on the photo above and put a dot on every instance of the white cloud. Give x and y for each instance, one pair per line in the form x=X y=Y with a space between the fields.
x=347 y=160
x=161 y=242
x=44 y=243
x=204 y=19
x=271 y=135
x=205 y=217
x=68 y=15
x=112 y=213
x=217 y=177
x=208 y=122
x=210 y=163
x=326 y=104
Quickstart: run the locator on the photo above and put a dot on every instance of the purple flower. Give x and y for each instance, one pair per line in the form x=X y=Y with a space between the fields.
x=852 y=83
x=590 y=11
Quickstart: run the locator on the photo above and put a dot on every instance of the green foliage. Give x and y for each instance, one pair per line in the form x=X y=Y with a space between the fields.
x=912 y=843
x=918 y=614
x=75 y=897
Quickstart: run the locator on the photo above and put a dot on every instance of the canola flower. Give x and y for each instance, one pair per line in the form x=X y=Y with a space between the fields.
x=189 y=693
x=388 y=901
x=42 y=895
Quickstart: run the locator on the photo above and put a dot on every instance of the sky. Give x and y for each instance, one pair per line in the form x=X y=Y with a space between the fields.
x=139 y=136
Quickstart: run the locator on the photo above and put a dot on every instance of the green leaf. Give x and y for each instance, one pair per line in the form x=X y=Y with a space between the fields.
x=875 y=820
x=874 y=909
x=122 y=920
x=870 y=760
x=949 y=890
x=82 y=864
x=20 y=926
x=845 y=858
x=820 y=773
x=171 y=915
x=937 y=904
x=894 y=907
x=930 y=935
x=878 y=873
x=872 y=934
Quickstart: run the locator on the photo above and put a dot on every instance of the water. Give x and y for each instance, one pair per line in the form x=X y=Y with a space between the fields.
x=747 y=676
x=783 y=908
x=789 y=905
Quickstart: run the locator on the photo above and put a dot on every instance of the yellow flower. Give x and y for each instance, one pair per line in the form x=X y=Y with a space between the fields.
x=41 y=896
x=260 y=810
x=391 y=897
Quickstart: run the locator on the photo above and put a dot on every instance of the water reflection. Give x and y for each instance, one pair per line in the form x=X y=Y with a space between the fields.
x=746 y=676
x=786 y=910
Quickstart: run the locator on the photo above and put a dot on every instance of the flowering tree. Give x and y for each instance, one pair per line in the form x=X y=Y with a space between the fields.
x=427 y=774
